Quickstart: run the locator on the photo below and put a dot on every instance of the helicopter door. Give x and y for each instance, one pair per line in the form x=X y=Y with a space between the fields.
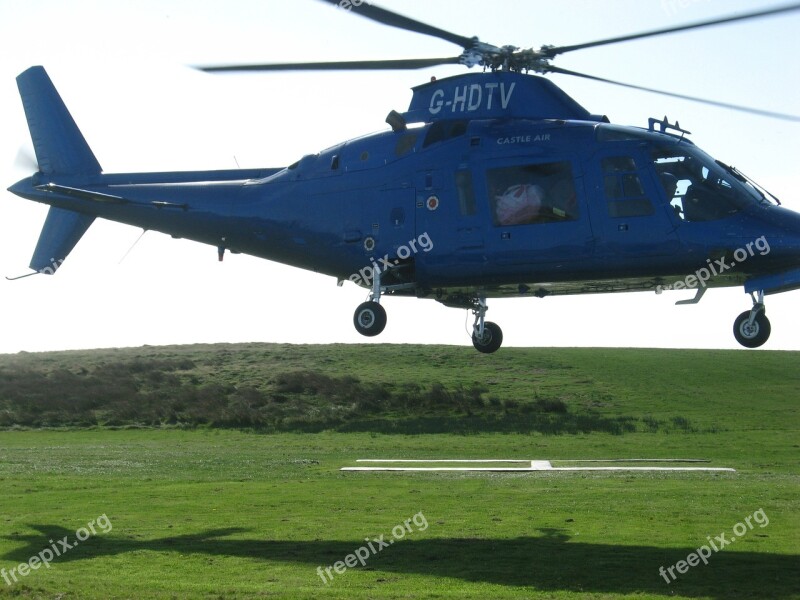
x=450 y=217
x=631 y=219
x=537 y=213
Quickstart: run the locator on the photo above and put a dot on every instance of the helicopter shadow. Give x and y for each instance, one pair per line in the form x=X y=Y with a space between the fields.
x=550 y=562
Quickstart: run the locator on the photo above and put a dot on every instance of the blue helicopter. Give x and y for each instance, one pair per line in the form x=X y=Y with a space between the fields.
x=491 y=185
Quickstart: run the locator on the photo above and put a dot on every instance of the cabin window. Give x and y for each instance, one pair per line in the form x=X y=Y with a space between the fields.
x=623 y=188
x=466 y=193
x=526 y=194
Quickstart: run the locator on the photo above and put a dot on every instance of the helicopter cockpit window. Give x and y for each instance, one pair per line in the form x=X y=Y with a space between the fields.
x=696 y=188
x=623 y=188
x=543 y=193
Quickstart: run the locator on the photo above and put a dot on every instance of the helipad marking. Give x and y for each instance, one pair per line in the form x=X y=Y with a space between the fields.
x=535 y=465
x=447 y=460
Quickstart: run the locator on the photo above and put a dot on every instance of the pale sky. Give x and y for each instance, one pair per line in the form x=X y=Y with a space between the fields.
x=123 y=71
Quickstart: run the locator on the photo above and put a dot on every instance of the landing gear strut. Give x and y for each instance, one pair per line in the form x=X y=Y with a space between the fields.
x=751 y=328
x=487 y=337
x=370 y=317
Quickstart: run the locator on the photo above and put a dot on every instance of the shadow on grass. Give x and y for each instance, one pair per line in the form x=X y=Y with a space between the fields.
x=551 y=562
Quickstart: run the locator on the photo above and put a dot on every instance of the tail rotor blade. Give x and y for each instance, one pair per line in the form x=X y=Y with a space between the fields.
x=25 y=160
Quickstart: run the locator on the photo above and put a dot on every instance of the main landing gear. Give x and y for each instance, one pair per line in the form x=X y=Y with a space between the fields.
x=370 y=316
x=751 y=328
x=487 y=337
x=370 y=319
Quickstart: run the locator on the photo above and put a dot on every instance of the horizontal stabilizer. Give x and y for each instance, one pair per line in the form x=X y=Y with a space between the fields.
x=59 y=145
x=62 y=230
x=81 y=193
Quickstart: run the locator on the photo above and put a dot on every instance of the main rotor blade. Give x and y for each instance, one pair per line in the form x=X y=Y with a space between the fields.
x=387 y=17
x=345 y=65
x=552 y=52
x=747 y=109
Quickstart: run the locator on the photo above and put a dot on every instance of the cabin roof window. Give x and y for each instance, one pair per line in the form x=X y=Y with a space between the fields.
x=444 y=130
x=405 y=144
x=617 y=133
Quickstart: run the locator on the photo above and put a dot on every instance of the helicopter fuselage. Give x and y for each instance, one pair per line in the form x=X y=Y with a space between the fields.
x=346 y=208
x=505 y=187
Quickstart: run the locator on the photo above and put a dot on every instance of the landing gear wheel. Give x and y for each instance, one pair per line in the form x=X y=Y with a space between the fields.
x=369 y=319
x=751 y=335
x=491 y=339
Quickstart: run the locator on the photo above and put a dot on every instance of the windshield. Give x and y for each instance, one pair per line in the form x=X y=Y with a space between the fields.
x=699 y=189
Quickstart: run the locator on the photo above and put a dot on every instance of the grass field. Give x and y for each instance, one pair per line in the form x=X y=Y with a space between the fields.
x=209 y=512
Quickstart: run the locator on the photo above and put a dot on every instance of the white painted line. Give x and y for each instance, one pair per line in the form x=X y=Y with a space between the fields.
x=535 y=469
x=442 y=460
x=726 y=469
x=535 y=465
x=669 y=460
x=425 y=469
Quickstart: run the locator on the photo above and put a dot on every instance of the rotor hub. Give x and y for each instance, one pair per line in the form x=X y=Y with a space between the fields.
x=506 y=58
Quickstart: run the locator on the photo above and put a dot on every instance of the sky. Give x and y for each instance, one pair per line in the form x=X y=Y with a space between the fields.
x=124 y=70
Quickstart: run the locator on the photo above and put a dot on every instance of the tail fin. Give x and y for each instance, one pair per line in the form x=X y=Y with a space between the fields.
x=60 y=146
x=61 y=231
x=60 y=149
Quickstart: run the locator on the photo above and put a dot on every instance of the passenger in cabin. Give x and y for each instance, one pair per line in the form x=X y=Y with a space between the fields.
x=564 y=203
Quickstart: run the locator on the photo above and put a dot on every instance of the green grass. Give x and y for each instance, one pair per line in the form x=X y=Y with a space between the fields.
x=221 y=513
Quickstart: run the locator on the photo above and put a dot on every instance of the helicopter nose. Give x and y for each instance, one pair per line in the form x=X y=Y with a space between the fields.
x=782 y=236
x=788 y=221
x=784 y=218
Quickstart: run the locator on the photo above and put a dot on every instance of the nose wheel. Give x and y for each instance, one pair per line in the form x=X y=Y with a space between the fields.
x=752 y=328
